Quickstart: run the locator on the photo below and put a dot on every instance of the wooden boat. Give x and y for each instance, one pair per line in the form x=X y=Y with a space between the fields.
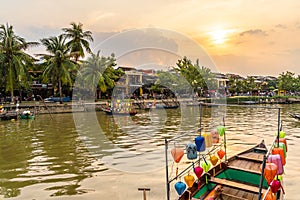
x=238 y=178
x=9 y=115
x=27 y=116
x=251 y=174
x=108 y=111
x=294 y=115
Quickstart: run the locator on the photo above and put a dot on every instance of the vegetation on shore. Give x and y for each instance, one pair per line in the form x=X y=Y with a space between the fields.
x=62 y=63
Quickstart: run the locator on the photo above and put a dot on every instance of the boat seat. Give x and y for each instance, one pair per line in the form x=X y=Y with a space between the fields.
x=236 y=185
x=250 y=159
x=245 y=170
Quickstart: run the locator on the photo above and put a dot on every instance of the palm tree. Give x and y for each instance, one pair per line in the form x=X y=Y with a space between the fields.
x=58 y=64
x=78 y=40
x=13 y=59
x=98 y=72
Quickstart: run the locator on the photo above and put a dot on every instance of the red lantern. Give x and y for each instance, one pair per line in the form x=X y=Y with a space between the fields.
x=275 y=186
x=221 y=153
x=177 y=154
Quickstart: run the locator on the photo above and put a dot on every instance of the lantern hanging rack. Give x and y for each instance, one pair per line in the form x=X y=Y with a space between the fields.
x=167 y=141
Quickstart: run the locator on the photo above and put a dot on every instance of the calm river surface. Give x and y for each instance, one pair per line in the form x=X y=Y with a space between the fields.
x=94 y=156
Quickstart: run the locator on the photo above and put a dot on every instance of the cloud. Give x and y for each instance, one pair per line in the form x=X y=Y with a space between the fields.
x=254 y=32
x=281 y=26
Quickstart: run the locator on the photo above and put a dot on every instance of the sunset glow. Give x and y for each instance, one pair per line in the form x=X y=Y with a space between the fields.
x=219 y=36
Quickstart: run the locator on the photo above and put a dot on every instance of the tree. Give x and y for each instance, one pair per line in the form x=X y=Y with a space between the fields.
x=200 y=79
x=14 y=60
x=58 y=64
x=286 y=81
x=79 y=40
x=174 y=82
x=98 y=72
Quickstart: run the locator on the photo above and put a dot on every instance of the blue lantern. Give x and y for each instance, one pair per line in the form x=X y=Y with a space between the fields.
x=200 y=143
x=180 y=187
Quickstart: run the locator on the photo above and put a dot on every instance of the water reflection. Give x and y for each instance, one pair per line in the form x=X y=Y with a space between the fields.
x=44 y=157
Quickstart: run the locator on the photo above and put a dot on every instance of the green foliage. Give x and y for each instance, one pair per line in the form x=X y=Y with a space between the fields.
x=58 y=64
x=14 y=61
x=173 y=81
x=200 y=79
x=79 y=40
x=287 y=81
x=98 y=71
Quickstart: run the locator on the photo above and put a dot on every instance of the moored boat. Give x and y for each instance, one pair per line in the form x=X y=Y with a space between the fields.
x=108 y=111
x=27 y=115
x=255 y=173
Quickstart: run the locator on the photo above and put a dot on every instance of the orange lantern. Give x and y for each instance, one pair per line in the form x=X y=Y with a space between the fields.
x=270 y=196
x=213 y=159
x=221 y=153
x=177 y=154
x=270 y=172
x=281 y=153
x=189 y=180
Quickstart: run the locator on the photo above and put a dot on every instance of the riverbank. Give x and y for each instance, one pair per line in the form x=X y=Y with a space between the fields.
x=69 y=107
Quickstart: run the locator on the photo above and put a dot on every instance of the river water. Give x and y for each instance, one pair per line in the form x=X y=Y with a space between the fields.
x=94 y=156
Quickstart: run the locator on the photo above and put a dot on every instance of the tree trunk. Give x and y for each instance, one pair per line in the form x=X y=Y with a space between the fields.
x=60 y=90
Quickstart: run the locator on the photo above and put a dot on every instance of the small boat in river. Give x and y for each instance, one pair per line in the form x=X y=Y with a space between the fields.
x=27 y=115
x=109 y=111
x=8 y=115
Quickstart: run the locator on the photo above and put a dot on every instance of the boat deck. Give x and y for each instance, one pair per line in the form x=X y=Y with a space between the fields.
x=248 y=161
x=239 y=178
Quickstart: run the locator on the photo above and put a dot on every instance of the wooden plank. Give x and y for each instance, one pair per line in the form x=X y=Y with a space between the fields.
x=235 y=185
x=249 y=158
x=246 y=170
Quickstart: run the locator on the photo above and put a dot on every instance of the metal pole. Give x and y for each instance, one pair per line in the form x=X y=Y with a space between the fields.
x=167 y=169
x=278 y=131
x=262 y=178
x=225 y=144
x=200 y=121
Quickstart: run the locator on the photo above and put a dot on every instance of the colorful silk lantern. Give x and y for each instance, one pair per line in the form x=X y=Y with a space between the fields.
x=276 y=159
x=206 y=166
x=215 y=136
x=200 y=143
x=189 y=180
x=280 y=152
x=221 y=153
x=270 y=172
x=283 y=140
x=208 y=139
x=221 y=130
x=282 y=145
x=213 y=159
x=281 y=134
x=191 y=151
x=198 y=171
x=177 y=154
x=180 y=187
x=270 y=196
x=275 y=186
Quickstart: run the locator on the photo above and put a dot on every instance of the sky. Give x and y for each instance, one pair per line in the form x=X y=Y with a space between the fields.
x=246 y=37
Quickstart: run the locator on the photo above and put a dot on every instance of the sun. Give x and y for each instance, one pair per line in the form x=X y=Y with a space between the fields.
x=219 y=36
